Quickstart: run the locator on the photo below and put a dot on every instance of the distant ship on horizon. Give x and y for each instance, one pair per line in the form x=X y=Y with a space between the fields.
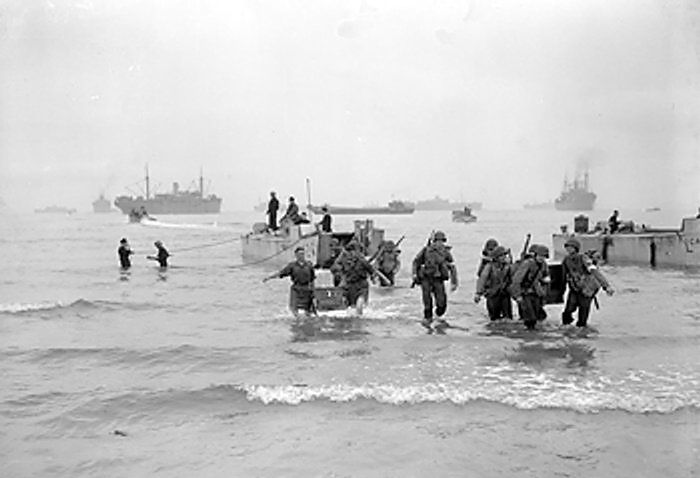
x=55 y=210
x=575 y=195
x=439 y=204
x=394 y=207
x=102 y=204
x=174 y=202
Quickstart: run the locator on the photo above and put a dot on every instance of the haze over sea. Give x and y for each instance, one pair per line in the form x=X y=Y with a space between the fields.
x=201 y=371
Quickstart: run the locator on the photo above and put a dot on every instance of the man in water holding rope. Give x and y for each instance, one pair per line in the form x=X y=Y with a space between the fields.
x=302 y=274
x=162 y=256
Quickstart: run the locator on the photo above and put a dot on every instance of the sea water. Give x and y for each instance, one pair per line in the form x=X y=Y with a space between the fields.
x=200 y=370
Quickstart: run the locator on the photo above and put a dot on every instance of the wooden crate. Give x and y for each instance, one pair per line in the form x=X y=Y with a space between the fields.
x=329 y=298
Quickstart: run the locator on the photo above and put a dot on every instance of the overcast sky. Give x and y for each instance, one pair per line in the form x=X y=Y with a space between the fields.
x=372 y=100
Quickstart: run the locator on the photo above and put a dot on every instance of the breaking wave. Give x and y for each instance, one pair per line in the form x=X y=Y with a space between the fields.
x=223 y=397
x=80 y=305
x=573 y=398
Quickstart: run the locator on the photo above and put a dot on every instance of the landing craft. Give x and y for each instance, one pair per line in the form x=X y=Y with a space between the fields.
x=637 y=245
x=321 y=249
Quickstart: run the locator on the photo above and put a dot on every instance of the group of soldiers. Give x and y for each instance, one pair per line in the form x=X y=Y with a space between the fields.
x=501 y=280
x=352 y=272
x=527 y=281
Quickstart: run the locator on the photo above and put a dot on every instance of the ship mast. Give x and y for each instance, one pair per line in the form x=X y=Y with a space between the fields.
x=148 y=190
x=201 y=182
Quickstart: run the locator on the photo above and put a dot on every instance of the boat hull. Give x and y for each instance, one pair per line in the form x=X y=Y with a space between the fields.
x=581 y=202
x=173 y=205
x=278 y=251
x=674 y=248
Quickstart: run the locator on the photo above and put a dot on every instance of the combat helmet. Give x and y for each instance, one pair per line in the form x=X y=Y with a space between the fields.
x=439 y=236
x=573 y=242
x=498 y=251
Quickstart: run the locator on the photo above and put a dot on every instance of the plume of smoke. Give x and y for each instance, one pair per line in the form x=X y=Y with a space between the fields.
x=589 y=159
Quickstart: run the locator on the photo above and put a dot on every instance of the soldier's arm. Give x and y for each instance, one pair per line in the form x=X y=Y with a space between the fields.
x=592 y=269
x=481 y=281
x=454 y=280
x=417 y=261
x=285 y=272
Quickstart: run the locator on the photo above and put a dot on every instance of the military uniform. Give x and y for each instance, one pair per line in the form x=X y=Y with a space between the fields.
x=354 y=271
x=583 y=280
x=529 y=286
x=388 y=261
x=493 y=283
x=432 y=266
x=301 y=293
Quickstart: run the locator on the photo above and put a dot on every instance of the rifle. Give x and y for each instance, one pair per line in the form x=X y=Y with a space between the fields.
x=414 y=282
x=523 y=253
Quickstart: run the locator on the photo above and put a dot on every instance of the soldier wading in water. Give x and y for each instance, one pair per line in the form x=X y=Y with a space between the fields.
x=302 y=274
x=432 y=266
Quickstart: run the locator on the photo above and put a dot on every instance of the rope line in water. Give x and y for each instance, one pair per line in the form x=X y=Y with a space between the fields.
x=207 y=245
x=259 y=261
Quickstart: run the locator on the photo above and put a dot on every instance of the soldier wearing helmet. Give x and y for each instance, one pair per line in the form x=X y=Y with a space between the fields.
x=486 y=257
x=530 y=282
x=352 y=270
x=432 y=266
x=493 y=283
x=583 y=280
x=161 y=256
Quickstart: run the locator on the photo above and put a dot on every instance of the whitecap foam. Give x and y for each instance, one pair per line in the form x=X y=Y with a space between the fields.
x=537 y=392
x=16 y=308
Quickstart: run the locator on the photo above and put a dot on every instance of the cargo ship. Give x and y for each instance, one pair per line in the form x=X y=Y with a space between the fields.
x=102 y=204
x=174 y=202
x=575 y=195
x=440 y=204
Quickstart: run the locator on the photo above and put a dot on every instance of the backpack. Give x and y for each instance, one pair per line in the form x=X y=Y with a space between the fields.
x=584 y=281
x=355 y=269
x=435 y=262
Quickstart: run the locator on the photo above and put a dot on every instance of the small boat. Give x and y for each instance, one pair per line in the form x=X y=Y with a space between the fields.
x=463 y=215
x=139 y=215
x=639 y=245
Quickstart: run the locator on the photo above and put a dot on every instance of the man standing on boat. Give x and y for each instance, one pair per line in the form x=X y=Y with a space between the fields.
x=614 y=222
x=432 y=266
x=325 y=223
x=302 y=274
x=272 y=207
x=584 y=281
